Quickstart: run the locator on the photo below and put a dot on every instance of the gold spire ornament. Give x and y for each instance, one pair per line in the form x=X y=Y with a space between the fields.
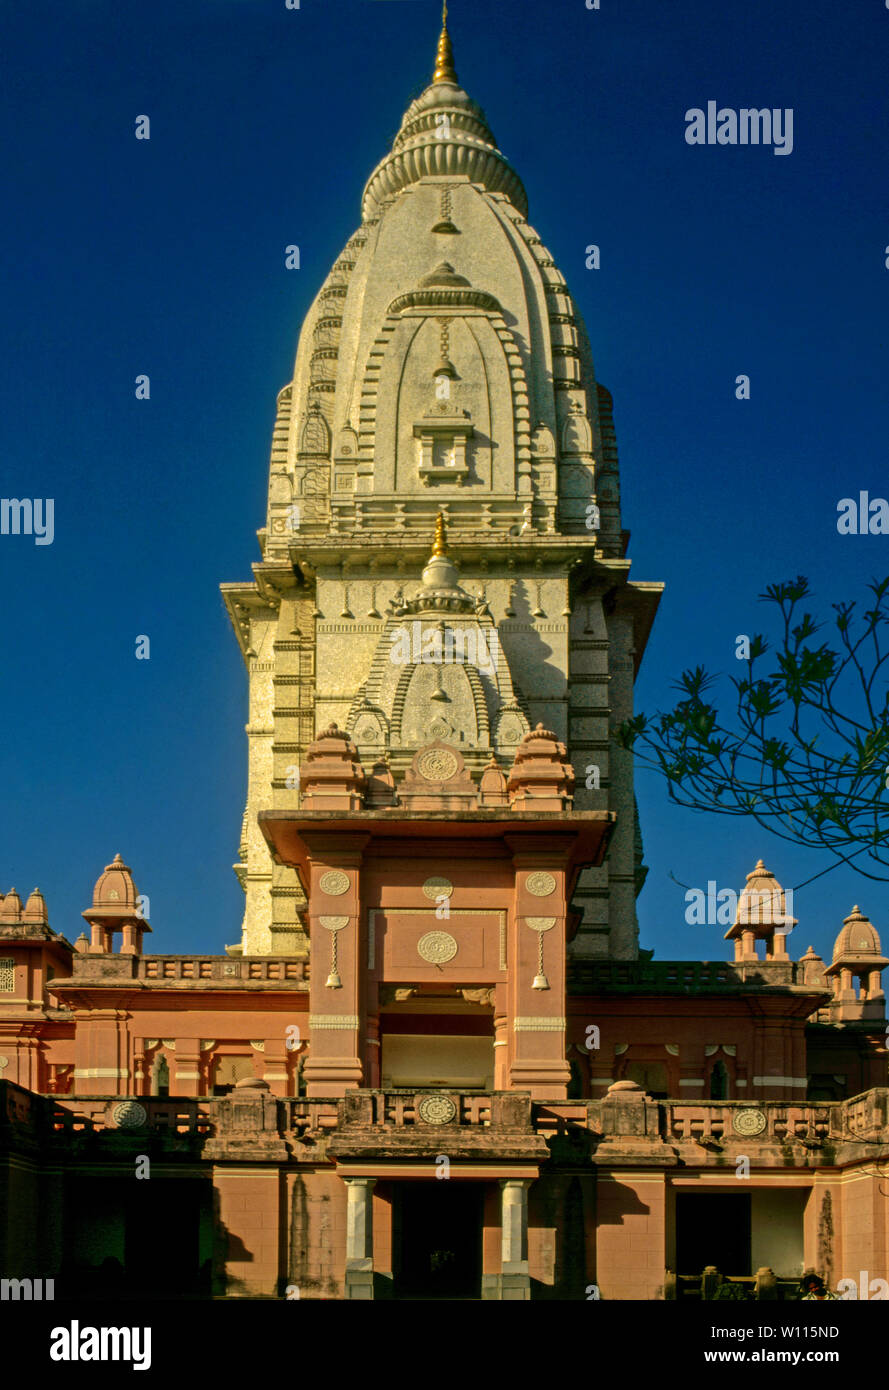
x=440 y=546
x=444 y=58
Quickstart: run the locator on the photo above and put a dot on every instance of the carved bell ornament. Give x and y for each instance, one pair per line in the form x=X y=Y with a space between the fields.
x=333 y=925
x=540 y=925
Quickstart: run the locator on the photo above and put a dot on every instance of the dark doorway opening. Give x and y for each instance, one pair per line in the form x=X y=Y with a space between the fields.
x=438 y=1239
x=138 y=1238
x=713 y=1228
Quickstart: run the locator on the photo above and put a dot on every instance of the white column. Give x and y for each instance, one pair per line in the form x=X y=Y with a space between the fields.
x=514 y=1220
x=359 y=1223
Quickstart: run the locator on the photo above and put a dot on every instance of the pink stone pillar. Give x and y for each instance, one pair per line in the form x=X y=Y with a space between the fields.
x=335 y=911
x=537 y=997
x=185 y=1076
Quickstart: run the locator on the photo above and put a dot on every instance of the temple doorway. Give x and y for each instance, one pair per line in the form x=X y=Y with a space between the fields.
x=713 y=1228
x=437 y=1230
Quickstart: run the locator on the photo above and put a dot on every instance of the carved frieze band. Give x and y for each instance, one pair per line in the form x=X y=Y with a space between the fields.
x=538 y=1025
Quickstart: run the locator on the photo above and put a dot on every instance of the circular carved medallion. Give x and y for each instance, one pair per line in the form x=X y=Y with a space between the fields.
x=541 y=923
x=129 y=1115
x=333 y=923
x=540 y=885
x=437 y=888
x=437 y=765
x=749 y=1123
x=510 y=730
x=4 y=1062
x=437 y=947
x=334 y=882
x=436 y=1110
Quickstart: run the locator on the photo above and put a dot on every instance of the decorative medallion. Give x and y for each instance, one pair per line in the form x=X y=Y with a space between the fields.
x=437 y=947
x=129 y=1115
x=541 y=923
x=334 y=883
x=436 y=1110
x=435 y=888
x=437 y=765
x=510 y=730
x=540 y=885
x=333 y=923
x=4 y=1062
x=748 y=1122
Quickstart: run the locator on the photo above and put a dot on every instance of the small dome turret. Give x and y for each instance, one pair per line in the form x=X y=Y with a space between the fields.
x=116 y=906
x=11 y=911
x=857 y=956
x=858 y=943
x=35 y=909
x=115 y=887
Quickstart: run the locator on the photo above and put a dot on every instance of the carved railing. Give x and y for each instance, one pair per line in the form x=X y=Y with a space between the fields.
x=715 y=1122
x=309 y=1117
x=100 y=1115
x=835 y=1128
x=184 y=969
x=399 y=1107
x=678 y=976
x=267 y=968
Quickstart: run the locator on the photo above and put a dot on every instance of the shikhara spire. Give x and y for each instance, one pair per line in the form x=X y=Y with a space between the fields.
x=443 y=391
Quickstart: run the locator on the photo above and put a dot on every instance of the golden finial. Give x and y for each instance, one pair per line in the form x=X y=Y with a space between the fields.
x=440 y=546
x=444 y=58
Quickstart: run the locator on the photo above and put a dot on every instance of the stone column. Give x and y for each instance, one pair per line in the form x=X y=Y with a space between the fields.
x=372 y=1054
x=100 y=1053
x=359 y=1238
x=501 y=1037
x=779 y=945
x=334 y=1064
x=274 y=1059
x=186 y=1069
x=515 y=1281
x=537 y=998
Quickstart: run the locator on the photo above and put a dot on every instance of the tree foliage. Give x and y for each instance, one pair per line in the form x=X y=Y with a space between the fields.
x=803 y=746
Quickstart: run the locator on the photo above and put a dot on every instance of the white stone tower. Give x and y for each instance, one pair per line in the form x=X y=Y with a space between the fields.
x=443 y=368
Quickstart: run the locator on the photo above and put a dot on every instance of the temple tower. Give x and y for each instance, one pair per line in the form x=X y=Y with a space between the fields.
x=442 y=370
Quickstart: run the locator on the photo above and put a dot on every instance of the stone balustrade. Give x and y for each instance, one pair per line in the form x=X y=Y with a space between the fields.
x=679 y=976
x=726 y=1122
x=111 y=1114
x=619 y=1129
x=188 y=971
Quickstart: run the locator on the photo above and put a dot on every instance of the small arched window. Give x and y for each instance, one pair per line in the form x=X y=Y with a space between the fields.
x=719 y=1081
x=160 y=1077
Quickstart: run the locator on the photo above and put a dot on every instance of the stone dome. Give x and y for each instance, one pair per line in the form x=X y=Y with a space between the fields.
x=858 y=941
x=762 y=902
x=115 y=887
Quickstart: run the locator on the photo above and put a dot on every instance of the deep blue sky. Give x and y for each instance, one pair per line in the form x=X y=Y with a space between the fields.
x=121 y=257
